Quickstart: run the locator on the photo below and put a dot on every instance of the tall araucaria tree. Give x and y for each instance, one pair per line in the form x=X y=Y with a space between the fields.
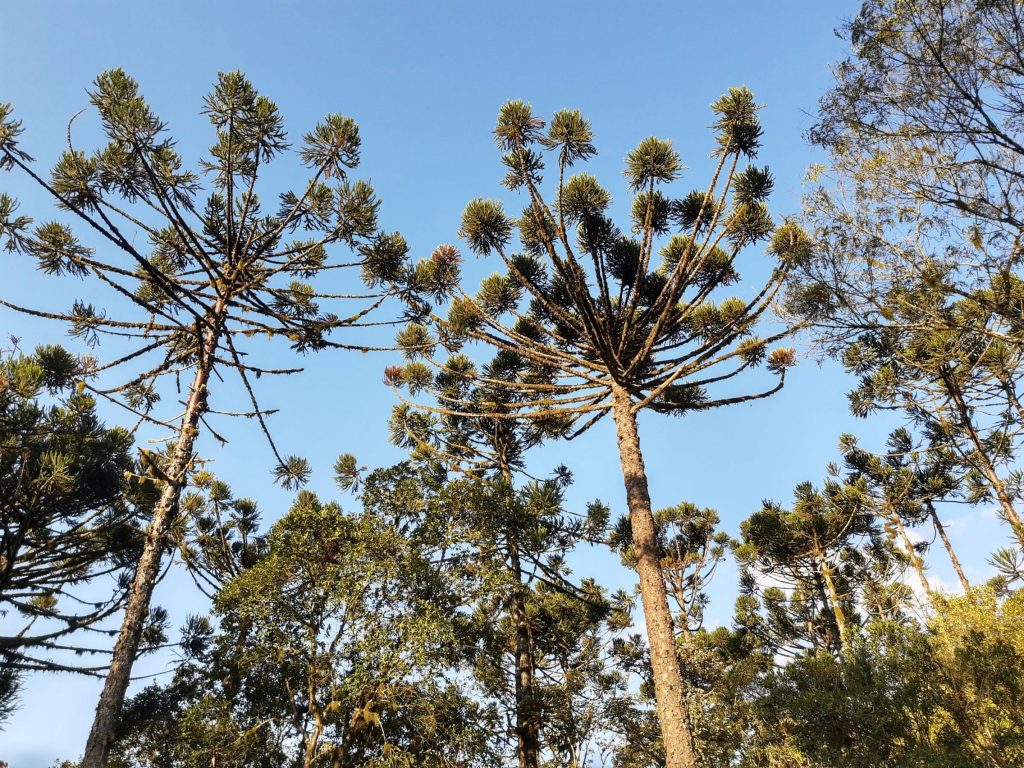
x=516 y=538
x=590 y=323
x=217 y=270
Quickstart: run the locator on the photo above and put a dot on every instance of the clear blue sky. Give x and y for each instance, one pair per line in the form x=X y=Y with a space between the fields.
x=424 y=81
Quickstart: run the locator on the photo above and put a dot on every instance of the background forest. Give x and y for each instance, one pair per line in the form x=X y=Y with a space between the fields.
x=597 y=387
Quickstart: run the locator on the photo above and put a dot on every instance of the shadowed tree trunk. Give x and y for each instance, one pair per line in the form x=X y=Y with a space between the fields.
x=527 y=711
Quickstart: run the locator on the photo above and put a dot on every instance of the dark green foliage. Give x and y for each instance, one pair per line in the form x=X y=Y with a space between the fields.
x=70 y=508
x=10 y=684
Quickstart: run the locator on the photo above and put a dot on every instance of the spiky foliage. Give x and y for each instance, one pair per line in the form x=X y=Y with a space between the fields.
x=581 y=306
x=218 y=535
x=812 y=574
x=505 y=550
x=219 y=268
x=330 y=649
x=903 y=485
x=691 y=549
x=71 y=507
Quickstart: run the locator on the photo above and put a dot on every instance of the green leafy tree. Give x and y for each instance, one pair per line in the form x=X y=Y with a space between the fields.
x=714 y=667
x=904 y=485
x=69 y=517
x=945 y=694
x=504 y=558
x=588 y=321
x=215 y=272
x=916 y=278
x=524 y=534
x=958 y=388
x=217 y=534
x=330 y=650
x=691 y=547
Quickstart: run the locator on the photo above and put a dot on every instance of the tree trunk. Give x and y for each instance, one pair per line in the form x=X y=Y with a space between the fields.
x=137 y=608
x=825 y=569
x=915 y=559
x=941 y=529
x=988 y=468
x=527 y=711
x=668 y=680
x=833 y=639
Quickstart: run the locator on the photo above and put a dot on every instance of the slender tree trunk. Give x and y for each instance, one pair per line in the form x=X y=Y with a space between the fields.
x=941 y=529
x=668 y=680
x=988 y=468
x=833 y=640
x=309 y=755
x=527 y=712
x=137 y=608
x=833 y=597
x=915 y=559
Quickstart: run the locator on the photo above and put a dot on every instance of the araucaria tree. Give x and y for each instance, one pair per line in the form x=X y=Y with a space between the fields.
x=69 y=519
x=515 y=538
x=217 y=270
x=588 y=321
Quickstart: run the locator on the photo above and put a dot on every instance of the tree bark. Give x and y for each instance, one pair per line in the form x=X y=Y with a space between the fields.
x=670 y=701
x=137 y=608
x=915 y=559
x=527 y=711
x=835 y=639
x=941 y=529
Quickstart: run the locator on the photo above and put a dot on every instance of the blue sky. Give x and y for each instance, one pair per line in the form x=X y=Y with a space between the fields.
x=424 y=80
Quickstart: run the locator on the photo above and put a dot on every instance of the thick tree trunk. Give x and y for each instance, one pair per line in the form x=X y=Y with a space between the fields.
x=137 y=609
x=941 y=529
x=527 y=712
x=668 y=680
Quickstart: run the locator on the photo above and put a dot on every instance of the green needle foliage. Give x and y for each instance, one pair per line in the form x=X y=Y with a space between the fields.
x=809 y=571
x=527 y=630
x=691 y=547
x=904 y=485
x=520 y=537
x=69 y=519
x=588 y=318
x=217 y=534
x=218 y=268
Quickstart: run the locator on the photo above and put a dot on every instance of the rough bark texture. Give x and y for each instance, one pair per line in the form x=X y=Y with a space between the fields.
x=668 y=681
x=137 y=609
x=941 y=529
